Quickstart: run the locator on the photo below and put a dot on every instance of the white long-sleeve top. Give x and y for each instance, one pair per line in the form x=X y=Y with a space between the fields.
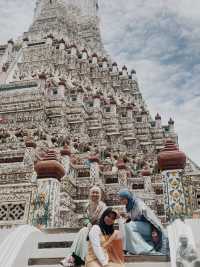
x=95 y=239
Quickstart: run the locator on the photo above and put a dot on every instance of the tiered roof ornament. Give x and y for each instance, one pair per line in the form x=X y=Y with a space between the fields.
x=49 y=166
x=171 y=157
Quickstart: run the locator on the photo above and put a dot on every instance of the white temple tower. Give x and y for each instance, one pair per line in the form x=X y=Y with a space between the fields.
x=59 y=88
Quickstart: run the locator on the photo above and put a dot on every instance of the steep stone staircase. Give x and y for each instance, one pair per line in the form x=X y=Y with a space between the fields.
x=25 y=246
x=54 y=244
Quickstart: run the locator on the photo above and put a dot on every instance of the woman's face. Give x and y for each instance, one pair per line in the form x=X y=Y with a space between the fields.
x=124 y=201
x=95 y=195
x=110 y=219
x=155 y=236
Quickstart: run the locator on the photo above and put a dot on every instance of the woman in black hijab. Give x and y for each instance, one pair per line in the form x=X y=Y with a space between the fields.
x=105 y=245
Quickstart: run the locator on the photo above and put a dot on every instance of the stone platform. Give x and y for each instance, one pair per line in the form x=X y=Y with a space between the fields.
x=55 y=244
x=49 y=247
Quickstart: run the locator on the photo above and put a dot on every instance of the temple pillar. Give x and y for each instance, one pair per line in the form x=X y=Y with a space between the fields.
x=130 y=112
x=171 y=125
x=49 y=40
x=172 y=162
x=122 y=173
x=84 y=54
x=61 y=89
x=62 y=44
x=146 y=174
x=42 y=82
x=114 y=68
x=105 y=64
x=113 y=107
x=133 y=75
x=97 y=101
x=94 y=59
x=10 y=47
x=124 y=71
x=94 y=169
x=25 y=42
x=46 y=205
x=66 y=153
x=158 y=121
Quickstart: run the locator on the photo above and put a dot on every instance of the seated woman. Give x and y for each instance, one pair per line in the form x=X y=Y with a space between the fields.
x=144 y=233
x=79 y=247
x=105 y=244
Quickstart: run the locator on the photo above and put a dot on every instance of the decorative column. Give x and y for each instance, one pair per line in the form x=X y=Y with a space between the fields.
x=113 y=106
x=114 y=68
x=47 y=200
x=84 y=54
x=66 y=153
x=171 y=162
x=62 y=44
x=97 y=101
x=74 y=50
x=10 y=47
x=146 y=174
x=61 y=88
x=105 y=63
x=49 y=40
x=42 y=82
x=124 y=71
x=171 y=125
x=79 y=95
x=94 y=169
x=25 y=42
x=94 y=59
x=67 y=207
x=133 y=76
x=30 y=155
x=158 y=121
x=130 y=112
x=122 y=173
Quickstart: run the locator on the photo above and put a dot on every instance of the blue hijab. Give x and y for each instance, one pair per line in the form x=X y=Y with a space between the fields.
x=124 y=193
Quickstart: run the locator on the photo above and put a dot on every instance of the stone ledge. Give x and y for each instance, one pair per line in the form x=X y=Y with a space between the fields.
x=60 y=230
x=128 y=259
x=59 y=244
x=147 y=258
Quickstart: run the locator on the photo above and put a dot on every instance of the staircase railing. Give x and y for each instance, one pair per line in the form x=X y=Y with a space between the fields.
x=12 y=245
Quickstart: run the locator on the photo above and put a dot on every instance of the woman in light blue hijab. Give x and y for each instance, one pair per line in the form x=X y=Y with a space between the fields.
x=140 y=224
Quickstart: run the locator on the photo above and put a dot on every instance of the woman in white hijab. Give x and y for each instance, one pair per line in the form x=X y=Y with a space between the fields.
x=95 y=209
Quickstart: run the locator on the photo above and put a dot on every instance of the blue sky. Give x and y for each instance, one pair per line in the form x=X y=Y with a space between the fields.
x=158 y=38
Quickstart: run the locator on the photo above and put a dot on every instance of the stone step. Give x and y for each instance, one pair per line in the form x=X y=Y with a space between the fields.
x=147 y=258
x=59 y=237
x=54 y=253
x=128 y=259
x=140 y=264
x=60 y=230
x=58 y=244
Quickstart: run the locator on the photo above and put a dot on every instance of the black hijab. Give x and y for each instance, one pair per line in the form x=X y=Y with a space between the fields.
x=107 y=229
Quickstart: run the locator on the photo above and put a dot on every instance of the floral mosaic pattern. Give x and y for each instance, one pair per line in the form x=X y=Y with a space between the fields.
x=175 y=195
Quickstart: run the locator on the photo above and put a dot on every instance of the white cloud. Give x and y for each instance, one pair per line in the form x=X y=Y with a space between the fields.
x=15 y=18
x=160 y=39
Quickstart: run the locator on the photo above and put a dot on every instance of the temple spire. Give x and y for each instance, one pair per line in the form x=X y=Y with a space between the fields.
x=75 y=21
